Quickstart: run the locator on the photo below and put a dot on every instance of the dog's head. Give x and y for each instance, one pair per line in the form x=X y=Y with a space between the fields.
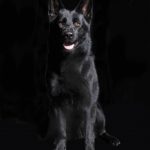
x=74 y=25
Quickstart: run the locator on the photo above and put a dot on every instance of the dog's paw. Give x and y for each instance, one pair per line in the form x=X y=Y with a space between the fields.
x=89 y=147
x=114 y=141
x=110 y=139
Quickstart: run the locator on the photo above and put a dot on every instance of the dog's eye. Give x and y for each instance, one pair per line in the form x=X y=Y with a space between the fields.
x=77 y=24
x=60 y=24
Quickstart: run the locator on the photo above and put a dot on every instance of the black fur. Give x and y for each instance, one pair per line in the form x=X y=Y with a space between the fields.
x=72 y=78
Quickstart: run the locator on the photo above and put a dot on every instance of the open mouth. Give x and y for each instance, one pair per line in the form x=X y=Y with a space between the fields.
x=69 y=47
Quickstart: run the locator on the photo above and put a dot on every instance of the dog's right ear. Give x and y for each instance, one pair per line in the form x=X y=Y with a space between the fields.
x=86 y=8
x=53 y=8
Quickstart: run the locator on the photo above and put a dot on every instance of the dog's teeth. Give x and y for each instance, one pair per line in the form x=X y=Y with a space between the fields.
x=69 y=47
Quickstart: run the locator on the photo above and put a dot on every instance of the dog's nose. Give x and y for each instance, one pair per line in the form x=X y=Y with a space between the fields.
x=69 y=35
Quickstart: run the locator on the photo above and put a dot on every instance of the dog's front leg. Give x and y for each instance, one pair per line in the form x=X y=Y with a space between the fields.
x=89 y=129
x=59 y=144
x=59 y=129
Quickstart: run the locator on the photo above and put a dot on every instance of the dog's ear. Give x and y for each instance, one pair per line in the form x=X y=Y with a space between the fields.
x=53 y=9
x=86 y=8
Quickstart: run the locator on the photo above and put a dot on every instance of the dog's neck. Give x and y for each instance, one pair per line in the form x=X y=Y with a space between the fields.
x=86 y=45
x=59 y=60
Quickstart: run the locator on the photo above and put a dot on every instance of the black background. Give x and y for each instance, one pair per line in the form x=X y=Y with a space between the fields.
x=121 y=44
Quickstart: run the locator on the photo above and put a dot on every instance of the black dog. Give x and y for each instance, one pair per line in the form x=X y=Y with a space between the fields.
x=72 y=78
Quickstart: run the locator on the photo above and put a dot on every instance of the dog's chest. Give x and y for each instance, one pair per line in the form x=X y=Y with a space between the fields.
x=75 y=83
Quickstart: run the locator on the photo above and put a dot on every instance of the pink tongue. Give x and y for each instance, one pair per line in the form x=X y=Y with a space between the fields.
x=69 y=47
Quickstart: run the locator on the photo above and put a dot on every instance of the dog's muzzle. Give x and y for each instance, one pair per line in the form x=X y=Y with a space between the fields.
x=69 y=42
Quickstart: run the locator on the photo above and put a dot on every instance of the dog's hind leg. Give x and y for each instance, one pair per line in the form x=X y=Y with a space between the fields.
x=101 y=131
x=100 y=121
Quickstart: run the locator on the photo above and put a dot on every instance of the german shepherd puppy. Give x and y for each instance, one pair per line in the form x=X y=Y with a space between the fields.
x=72 y=78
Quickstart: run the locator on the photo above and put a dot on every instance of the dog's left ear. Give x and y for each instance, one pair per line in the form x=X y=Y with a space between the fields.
x=86 y=8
